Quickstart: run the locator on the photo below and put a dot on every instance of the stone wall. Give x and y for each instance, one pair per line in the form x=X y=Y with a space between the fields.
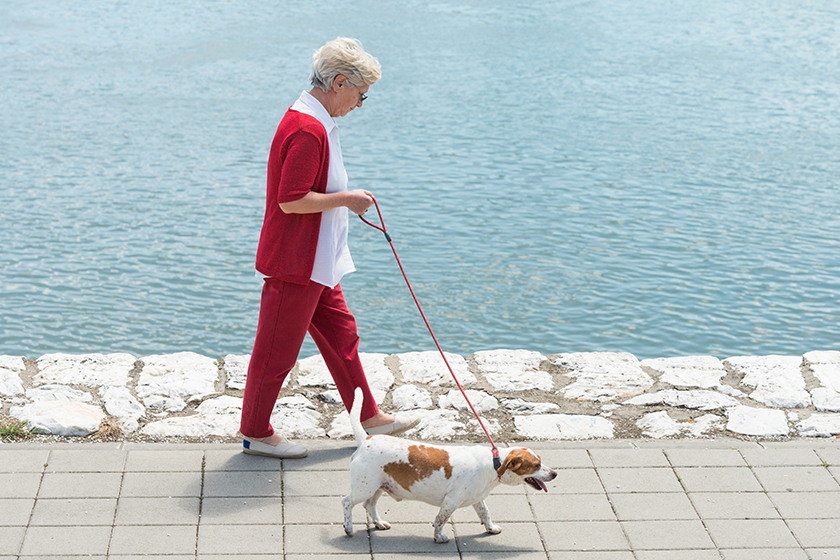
x=520 y=394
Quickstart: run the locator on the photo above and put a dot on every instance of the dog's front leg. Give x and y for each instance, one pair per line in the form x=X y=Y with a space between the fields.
x=446 y=510
x=370 y=506
x=484 y=515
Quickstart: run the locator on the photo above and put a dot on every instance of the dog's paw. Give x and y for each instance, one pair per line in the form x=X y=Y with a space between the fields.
x=494 y=529
x=348 y=529
x=440 y=538
x=383 y=525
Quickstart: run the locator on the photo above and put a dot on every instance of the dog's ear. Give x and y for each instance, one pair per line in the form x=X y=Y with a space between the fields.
x=512 y=462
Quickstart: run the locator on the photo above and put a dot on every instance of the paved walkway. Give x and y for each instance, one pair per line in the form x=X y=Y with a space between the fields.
x=622 y=500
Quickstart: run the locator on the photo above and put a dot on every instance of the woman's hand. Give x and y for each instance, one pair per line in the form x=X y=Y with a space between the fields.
x=359 y=201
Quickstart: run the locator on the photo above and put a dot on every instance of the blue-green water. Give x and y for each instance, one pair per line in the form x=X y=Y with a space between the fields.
x=655 y=177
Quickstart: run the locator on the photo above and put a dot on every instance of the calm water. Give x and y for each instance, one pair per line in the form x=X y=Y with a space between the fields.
x=656 y=177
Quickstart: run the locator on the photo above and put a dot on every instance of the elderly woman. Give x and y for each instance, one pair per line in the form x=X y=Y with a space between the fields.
x=302 y=253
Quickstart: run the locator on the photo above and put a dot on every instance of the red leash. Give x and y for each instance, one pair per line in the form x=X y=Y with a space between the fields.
x=496 y=460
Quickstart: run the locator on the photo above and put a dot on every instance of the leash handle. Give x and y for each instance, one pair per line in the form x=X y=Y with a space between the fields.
x=496 y=461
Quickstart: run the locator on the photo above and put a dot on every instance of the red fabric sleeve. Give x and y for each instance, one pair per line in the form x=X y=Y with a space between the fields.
x=301 y=164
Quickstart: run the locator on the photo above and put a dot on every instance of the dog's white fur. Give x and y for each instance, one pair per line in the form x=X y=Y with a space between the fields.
x=447 y=476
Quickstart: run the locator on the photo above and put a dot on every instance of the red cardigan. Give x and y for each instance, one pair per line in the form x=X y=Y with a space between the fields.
x=298 y=163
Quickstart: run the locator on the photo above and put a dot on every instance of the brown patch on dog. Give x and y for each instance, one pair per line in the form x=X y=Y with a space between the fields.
x=422 y=463
x=521 y=462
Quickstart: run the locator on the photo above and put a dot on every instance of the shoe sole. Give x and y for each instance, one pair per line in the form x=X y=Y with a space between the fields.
x=261 y=454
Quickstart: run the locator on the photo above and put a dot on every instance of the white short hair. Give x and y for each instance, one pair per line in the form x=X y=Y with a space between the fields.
x=345 y=57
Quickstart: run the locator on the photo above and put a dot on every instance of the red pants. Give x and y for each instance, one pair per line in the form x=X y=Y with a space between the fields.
x=287 y=312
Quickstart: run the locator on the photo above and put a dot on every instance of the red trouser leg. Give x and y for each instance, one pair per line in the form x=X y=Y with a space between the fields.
x=286 y=312
x=333 y=328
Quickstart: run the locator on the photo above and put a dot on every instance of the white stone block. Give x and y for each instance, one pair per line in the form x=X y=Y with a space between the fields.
x=563 y=426
x=61 y=418
x=214 y=417
x=520 y=406
x=236 y=370
x=825 y=399
x=777 y=380
x=10 y=369
x=429 y=368
x=603 y=376
x=53 y=392
x=119 y=402
x=438 y=424
x=509 y=371
x=411 y=397
x=297 y=422
x=160 y=403
x=89 y=370
x=704 y=424
x=185 y=375
x=690 y=371
x=695 y=399
x=820 y=425
x=481 y=401
x=659 y=425
x=757 y=421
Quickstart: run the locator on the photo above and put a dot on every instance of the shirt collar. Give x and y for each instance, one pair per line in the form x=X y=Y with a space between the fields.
x=317 y=110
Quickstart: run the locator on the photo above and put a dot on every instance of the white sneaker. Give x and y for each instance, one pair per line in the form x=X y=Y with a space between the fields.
x=283 y=450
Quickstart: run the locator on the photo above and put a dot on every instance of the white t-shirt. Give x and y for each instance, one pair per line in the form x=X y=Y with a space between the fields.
x=332 y=256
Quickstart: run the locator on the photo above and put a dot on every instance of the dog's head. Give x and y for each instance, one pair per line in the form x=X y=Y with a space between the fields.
x=523 y=466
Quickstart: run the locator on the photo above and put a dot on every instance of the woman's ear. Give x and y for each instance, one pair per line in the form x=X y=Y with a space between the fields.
x=339 y=82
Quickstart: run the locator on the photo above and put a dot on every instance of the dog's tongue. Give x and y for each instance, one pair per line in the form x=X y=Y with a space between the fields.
x=539 y=483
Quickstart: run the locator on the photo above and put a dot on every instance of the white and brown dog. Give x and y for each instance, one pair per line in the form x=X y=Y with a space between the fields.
x=450 y=477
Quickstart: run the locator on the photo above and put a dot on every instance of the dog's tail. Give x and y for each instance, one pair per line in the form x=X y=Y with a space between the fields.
x=356 y=418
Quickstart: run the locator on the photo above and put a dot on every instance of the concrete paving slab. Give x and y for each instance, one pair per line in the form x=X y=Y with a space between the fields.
x=807 y=505
x=316 y=483
x=621 y=480
x=74 y=512
x=751 y=533
x=514 y=537
x=570 y=507
x=410 y=538
x=80 y=485
x=16 y=511
x=231 y=458
x=502 y=508
x=667 y=535
x=812 y=533
x=148 y=539
x=326 y=539
x=764 y=554
x=242 y=484
x=583 y=536
x=591 y=555
x=734 y=505
x=86 y=460
x=158 y=511
x=162 y=484
x=626 y=458
x=23 y=460
x=710 y=554
x=705 y=458
x=575 y=481
x=440 y=555
x=563 y=458
x=19 y=485
x=718 y=479
x=654 y=506
x=792 y=456
x=312 y=510
x=150 y=460
x=10 y=540
x=796 y=479
x=75 y=540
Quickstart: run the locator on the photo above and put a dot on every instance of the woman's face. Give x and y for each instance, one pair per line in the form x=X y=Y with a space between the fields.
x=349 y=96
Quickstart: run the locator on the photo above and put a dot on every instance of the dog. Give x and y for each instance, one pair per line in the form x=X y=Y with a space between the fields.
x=446 y=476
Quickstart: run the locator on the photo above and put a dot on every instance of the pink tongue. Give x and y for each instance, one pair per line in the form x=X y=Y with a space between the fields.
x=542 y=485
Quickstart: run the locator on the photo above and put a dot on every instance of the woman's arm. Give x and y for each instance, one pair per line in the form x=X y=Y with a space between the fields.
x=357 y=201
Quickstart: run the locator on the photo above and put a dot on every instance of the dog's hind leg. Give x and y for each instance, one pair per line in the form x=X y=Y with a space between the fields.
x=359 y=492
x=370 y=506
x=484 y=515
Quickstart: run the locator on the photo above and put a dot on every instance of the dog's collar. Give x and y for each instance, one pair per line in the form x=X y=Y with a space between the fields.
x=497 y=462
